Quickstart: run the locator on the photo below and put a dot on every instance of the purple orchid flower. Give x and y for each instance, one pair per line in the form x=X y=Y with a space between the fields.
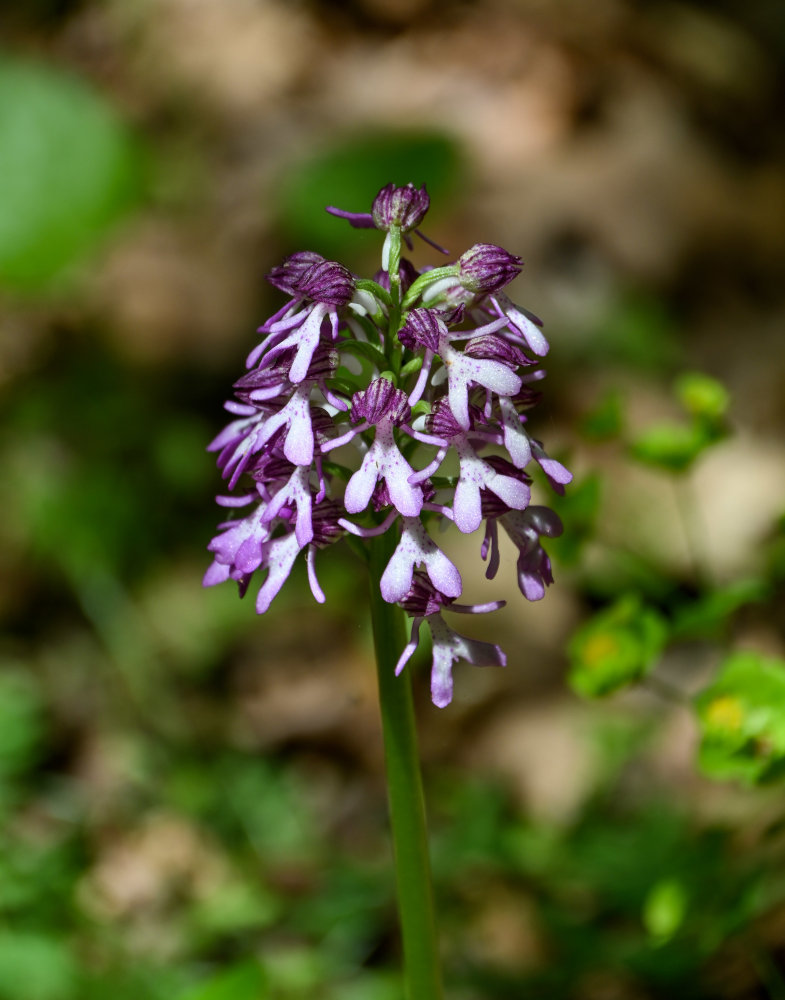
x=424 y=602
x=525 y=528
x=325 y=287
x=383 y=406
x=427 y=329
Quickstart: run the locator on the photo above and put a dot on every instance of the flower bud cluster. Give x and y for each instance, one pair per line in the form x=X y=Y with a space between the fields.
x=427 y=376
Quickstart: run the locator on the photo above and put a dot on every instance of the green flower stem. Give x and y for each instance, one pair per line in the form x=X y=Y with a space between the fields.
x=420 y=284
x=422 y=973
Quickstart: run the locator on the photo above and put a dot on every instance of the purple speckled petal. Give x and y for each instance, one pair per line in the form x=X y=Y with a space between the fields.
x=279 y=558
x=529 y=330
x=461 y=370
x=360 y=487
x=240 y=545
x=448 y=648
x=407 y=498
x=512 y=491
x=299 y=442
x=477 y=473
x=416 y=547
x=467 y=511
x=216 y=573
x=298 y=491
x=410 y=646
x=516 y=440
x=308 y=342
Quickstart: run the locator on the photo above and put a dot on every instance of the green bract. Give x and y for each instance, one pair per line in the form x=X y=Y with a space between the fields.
x=616 y=647
x=742 y=719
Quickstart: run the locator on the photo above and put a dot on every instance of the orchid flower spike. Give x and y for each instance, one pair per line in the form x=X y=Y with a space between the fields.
x=408 y=370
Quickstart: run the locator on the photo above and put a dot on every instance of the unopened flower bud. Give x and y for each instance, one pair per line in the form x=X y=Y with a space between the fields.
x=288 y=275
x=327 y=282
x=486 y=268
x=404 y=207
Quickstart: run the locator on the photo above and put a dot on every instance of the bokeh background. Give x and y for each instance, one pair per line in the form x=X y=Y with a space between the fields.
x=192 y=799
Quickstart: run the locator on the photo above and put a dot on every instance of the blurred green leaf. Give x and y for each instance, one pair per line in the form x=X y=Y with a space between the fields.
x=246 y=981
x=231 y=909
x=36 y=881
x=372 y=986
x=639 y=332
x=675 y=446
x=35 y=967
x=702 y=396
x=69 y=169
x=742 y=720
x=616 y=647
x=297 y=973
x=664 y=909
x=578 y=509
x=709 y=614
x=20 y=721
x=671 y=446
x=606 y=420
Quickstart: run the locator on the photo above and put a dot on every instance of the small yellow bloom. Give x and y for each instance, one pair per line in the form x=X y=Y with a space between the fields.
x=725 y=712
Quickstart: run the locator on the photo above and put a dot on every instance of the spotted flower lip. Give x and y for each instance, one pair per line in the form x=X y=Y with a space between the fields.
x=424 y=602
x=385 y=406
x=416 y=547
x=524 y=528
x=428 y=378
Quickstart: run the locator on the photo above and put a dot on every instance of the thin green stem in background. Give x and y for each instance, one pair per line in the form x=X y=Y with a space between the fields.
x=422 y=972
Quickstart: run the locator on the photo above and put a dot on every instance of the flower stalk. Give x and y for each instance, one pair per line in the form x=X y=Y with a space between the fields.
x=422 y=974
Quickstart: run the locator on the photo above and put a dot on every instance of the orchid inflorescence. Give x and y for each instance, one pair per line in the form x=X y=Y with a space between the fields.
x=436 y=367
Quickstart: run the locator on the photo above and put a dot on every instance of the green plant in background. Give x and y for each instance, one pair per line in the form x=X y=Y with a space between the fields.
x=741 y=713
x=675 y=447
x=742 y=719
x=616 y=647
x=69 y=167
